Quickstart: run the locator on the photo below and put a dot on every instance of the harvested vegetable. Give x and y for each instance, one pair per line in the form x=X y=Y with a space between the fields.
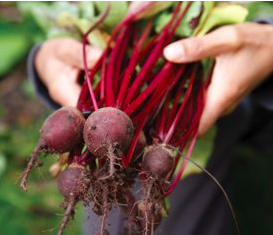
x=139 y=109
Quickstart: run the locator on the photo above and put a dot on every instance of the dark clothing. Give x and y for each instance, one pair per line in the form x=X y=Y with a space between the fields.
x=39 y=88
x=197 y=205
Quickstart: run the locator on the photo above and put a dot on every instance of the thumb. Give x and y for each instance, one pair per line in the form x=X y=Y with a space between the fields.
x=71 y=52
x=197 y=48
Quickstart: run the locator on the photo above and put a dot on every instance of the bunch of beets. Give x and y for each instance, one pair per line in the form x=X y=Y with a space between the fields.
x=134 y=110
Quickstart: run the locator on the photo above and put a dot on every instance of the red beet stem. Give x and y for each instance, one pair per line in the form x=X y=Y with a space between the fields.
x=182 y=167
x=85 y=94
x=121 y=59
x=113 y=68
x=152 y=60
x=157 y=98
x=132 y=148
x=102 y=78
x=193 y=111
x=180 y=111
x=163 y=118
x=132 y=64
x=88 y=77
x=175 y=105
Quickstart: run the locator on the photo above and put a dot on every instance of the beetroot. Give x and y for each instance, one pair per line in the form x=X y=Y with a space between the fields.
x=61 y=132
x=108 y=128
x=157 y=160
x=157 y=165
x=73 y=184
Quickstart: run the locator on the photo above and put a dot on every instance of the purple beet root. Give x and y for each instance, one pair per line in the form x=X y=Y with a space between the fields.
x=73 y=184
x=61 y=132
x=158 y=161
x=108 y=133
x=108 y=129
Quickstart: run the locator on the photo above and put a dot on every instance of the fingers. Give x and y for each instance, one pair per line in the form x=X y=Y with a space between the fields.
x=64 y=90
x=221 y=99
x=71 y=52
x=196 y=48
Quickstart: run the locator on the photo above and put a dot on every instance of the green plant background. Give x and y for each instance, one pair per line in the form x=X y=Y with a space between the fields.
x=22 y=25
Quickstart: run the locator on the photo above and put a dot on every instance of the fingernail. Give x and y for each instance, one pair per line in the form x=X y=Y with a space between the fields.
x=174 y=52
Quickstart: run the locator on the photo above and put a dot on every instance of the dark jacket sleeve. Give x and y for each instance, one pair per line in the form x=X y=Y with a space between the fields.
x=39 y=88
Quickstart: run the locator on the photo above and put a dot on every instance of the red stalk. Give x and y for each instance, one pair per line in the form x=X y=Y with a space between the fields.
x=99 y=21
x=132 y=64
x=157 y=98
x=175 y=103
x=121 y=42
x=132 y=148
x=88 y=78
x=152 y=59
x=103 y=78
x=120 y=59
x=182 y=167
x=163 y=117
x=151 y=87
x=179 y=113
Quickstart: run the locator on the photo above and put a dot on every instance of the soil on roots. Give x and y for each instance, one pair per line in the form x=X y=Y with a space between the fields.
x=106 y=192
x=151 y=207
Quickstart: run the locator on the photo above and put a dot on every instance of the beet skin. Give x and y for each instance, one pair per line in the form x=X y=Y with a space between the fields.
x=108 y=129
x=62 y=130
x=157 y=160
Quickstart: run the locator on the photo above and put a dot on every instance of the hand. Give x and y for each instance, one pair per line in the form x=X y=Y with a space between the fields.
x=58 y=63
x=243 y=56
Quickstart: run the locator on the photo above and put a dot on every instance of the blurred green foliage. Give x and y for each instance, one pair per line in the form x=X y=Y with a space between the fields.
x=35 y=211
x=259 y=9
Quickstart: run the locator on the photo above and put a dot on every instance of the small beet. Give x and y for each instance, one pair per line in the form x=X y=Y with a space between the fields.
x=60 y=133
x=72 y=183
x=157 y=160
x=108 y=128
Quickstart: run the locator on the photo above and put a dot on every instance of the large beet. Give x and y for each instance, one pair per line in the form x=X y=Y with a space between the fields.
x=108 y=129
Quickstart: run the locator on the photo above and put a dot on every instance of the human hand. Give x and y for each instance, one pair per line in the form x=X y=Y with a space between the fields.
x=243 y=56
x=58 y=63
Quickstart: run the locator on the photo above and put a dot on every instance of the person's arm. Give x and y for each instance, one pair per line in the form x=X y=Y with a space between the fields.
x=53 y=68
x=243 y=56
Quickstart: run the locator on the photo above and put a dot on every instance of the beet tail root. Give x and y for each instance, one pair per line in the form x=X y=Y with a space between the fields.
x=67 y=215
x=32 y=162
